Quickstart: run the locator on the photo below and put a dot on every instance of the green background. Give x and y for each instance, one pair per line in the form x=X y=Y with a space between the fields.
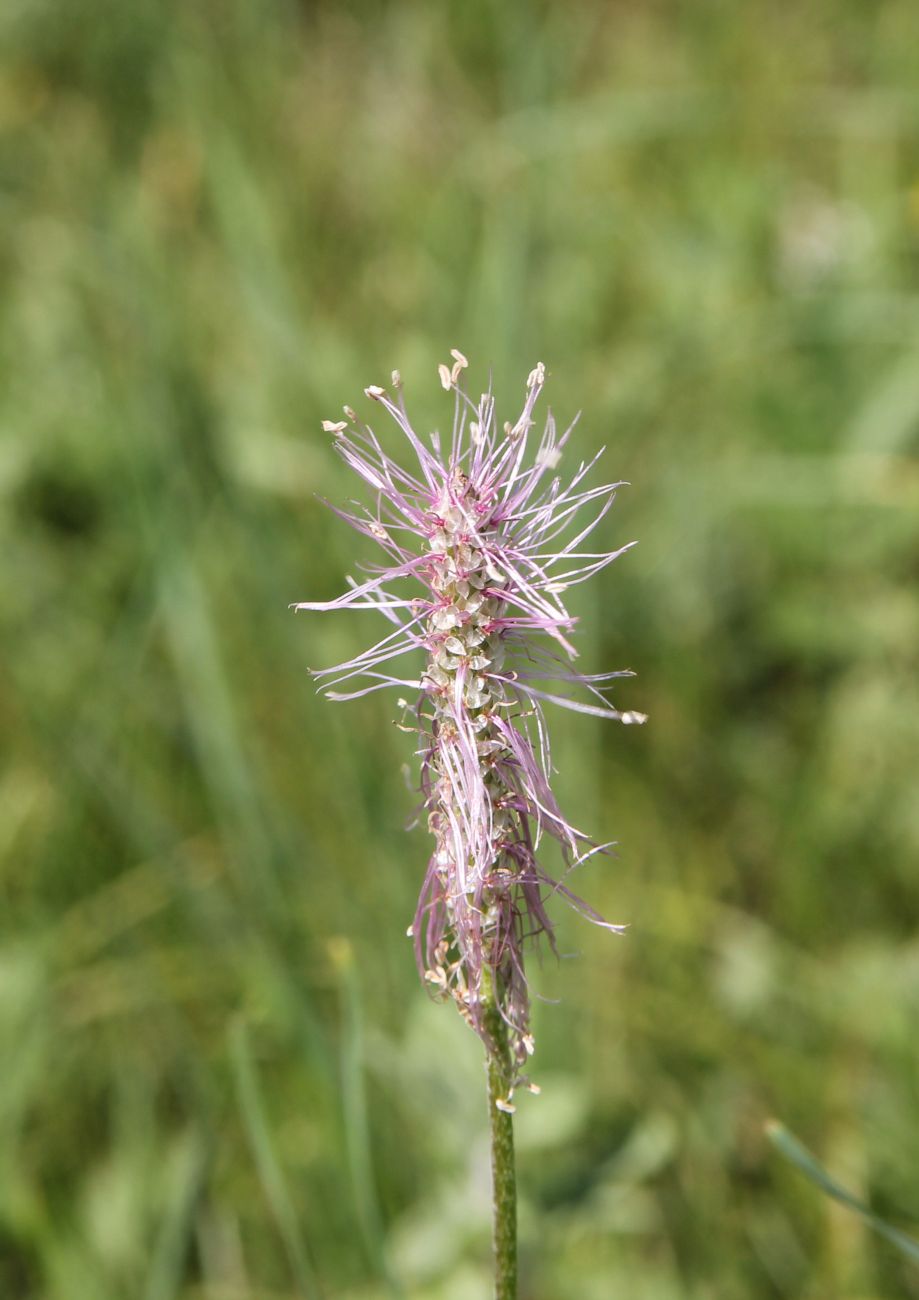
x=219 y=1076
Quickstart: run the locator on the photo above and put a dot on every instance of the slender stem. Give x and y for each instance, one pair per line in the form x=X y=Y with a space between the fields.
x=503 y=1170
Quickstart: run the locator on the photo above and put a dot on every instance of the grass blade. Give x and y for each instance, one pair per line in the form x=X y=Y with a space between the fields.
x=789 y=1146
x=267 y=1163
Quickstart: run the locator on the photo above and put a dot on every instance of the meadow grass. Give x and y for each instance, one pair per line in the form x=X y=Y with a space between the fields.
x=220 y=1079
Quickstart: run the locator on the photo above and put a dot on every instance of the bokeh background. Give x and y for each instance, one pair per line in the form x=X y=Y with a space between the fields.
x=220 y=1078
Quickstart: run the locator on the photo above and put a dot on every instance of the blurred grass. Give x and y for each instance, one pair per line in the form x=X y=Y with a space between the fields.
x=220 y=1078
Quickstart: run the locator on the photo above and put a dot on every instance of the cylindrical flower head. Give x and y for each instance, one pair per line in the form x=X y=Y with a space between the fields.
x=493 y=536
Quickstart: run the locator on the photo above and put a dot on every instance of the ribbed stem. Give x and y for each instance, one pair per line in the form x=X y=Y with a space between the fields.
x=503 y=1170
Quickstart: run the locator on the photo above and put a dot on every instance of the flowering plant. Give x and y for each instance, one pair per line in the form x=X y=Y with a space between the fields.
x=481 y=527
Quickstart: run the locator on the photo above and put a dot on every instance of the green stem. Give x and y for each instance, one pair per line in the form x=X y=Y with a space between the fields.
x=503 y=1171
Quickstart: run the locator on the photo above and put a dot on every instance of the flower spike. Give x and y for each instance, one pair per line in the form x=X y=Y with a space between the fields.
x=480 y=530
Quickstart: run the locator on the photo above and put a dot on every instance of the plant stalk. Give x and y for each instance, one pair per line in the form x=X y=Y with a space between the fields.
x=503 y=1169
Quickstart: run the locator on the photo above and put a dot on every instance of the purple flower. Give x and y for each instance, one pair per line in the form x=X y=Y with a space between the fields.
x=481 y=526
